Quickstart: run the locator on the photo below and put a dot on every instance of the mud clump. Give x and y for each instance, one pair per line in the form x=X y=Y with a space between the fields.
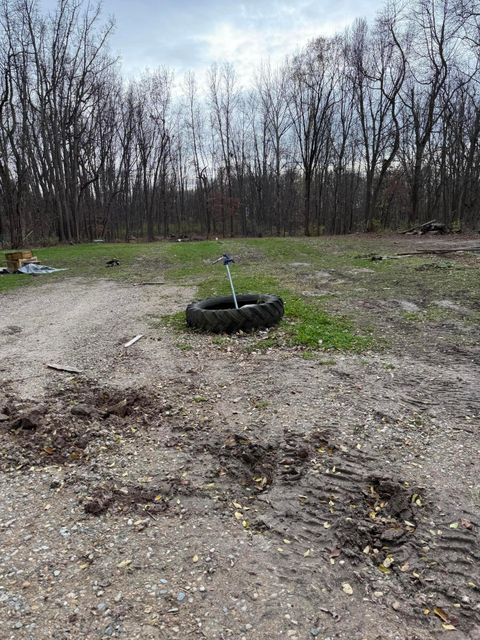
x=72 y=425
x=245 y=461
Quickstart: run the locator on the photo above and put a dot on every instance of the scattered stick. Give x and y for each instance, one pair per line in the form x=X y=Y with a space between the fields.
x=133 y=340
x=438 y=251
x=61 y=367
x=144 y=284
x=421 y=252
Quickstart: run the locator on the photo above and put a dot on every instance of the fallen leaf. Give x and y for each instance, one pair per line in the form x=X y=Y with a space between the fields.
x=287 y=541
x=448 y=627
x=237 y=505
x=441 y=614
x=466 y=524
x=307 y=553
x=346 y=588
x=454 y=525
x=238 y=515
x=245 y=524
x=389 y=560
x=195 y=558
x=326 y=525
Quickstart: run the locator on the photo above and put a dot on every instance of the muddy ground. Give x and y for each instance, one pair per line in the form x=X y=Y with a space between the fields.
x=219 y=491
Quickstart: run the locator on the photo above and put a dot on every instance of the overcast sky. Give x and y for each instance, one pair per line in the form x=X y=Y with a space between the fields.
x=191 y=34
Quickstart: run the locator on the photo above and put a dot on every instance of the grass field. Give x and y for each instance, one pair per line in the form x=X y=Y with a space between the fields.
x=323 y=281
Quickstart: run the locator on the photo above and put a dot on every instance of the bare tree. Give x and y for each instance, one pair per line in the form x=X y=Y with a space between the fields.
x=311 y=100
x=378 y=71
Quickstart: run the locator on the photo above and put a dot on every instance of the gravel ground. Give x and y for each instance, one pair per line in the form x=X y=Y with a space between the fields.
x=215 y=491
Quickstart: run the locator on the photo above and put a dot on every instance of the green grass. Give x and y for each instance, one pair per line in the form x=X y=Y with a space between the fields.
x=306 y=324
x=314 y=328
x=334 y=300
x=137 y=261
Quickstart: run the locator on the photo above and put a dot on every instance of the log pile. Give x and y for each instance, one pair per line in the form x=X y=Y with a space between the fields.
x=432 y=226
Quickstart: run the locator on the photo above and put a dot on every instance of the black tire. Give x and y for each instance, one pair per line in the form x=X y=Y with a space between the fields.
x=219 y=315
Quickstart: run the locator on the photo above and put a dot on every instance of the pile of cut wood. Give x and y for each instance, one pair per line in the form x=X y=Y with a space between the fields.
x=17 y=259
x=433 y=226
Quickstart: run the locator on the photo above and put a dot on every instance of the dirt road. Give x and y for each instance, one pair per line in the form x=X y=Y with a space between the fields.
x=209 y=490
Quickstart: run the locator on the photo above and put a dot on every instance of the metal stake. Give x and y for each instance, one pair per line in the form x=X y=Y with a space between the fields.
x=226 y=261
x=231 y=285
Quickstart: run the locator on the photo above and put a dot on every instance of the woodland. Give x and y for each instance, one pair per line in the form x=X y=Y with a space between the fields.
x=374 y=128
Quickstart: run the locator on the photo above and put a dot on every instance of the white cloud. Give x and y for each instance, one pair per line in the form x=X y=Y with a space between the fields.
x=247 y=47
x=190 y=35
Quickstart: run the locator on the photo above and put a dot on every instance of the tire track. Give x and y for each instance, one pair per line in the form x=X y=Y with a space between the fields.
x=323 y=501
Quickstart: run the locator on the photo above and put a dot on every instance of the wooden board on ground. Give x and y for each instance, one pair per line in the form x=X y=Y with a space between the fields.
x=61 y=367
x=133 y=340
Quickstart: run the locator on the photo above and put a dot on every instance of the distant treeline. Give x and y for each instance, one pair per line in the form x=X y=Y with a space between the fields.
x=377 y=127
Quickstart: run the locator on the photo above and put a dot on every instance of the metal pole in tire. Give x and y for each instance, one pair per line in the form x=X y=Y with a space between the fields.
x=226 y=261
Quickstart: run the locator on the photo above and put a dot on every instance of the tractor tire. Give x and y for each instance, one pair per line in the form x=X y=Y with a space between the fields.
x=219 y=315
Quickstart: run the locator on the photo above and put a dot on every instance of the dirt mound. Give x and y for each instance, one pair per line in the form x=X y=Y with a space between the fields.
x=72 y=425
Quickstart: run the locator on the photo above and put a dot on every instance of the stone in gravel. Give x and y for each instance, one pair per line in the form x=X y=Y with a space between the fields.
x=181 y=596
x=315 y=631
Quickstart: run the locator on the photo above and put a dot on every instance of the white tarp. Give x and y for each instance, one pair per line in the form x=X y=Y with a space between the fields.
x=37 y=269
